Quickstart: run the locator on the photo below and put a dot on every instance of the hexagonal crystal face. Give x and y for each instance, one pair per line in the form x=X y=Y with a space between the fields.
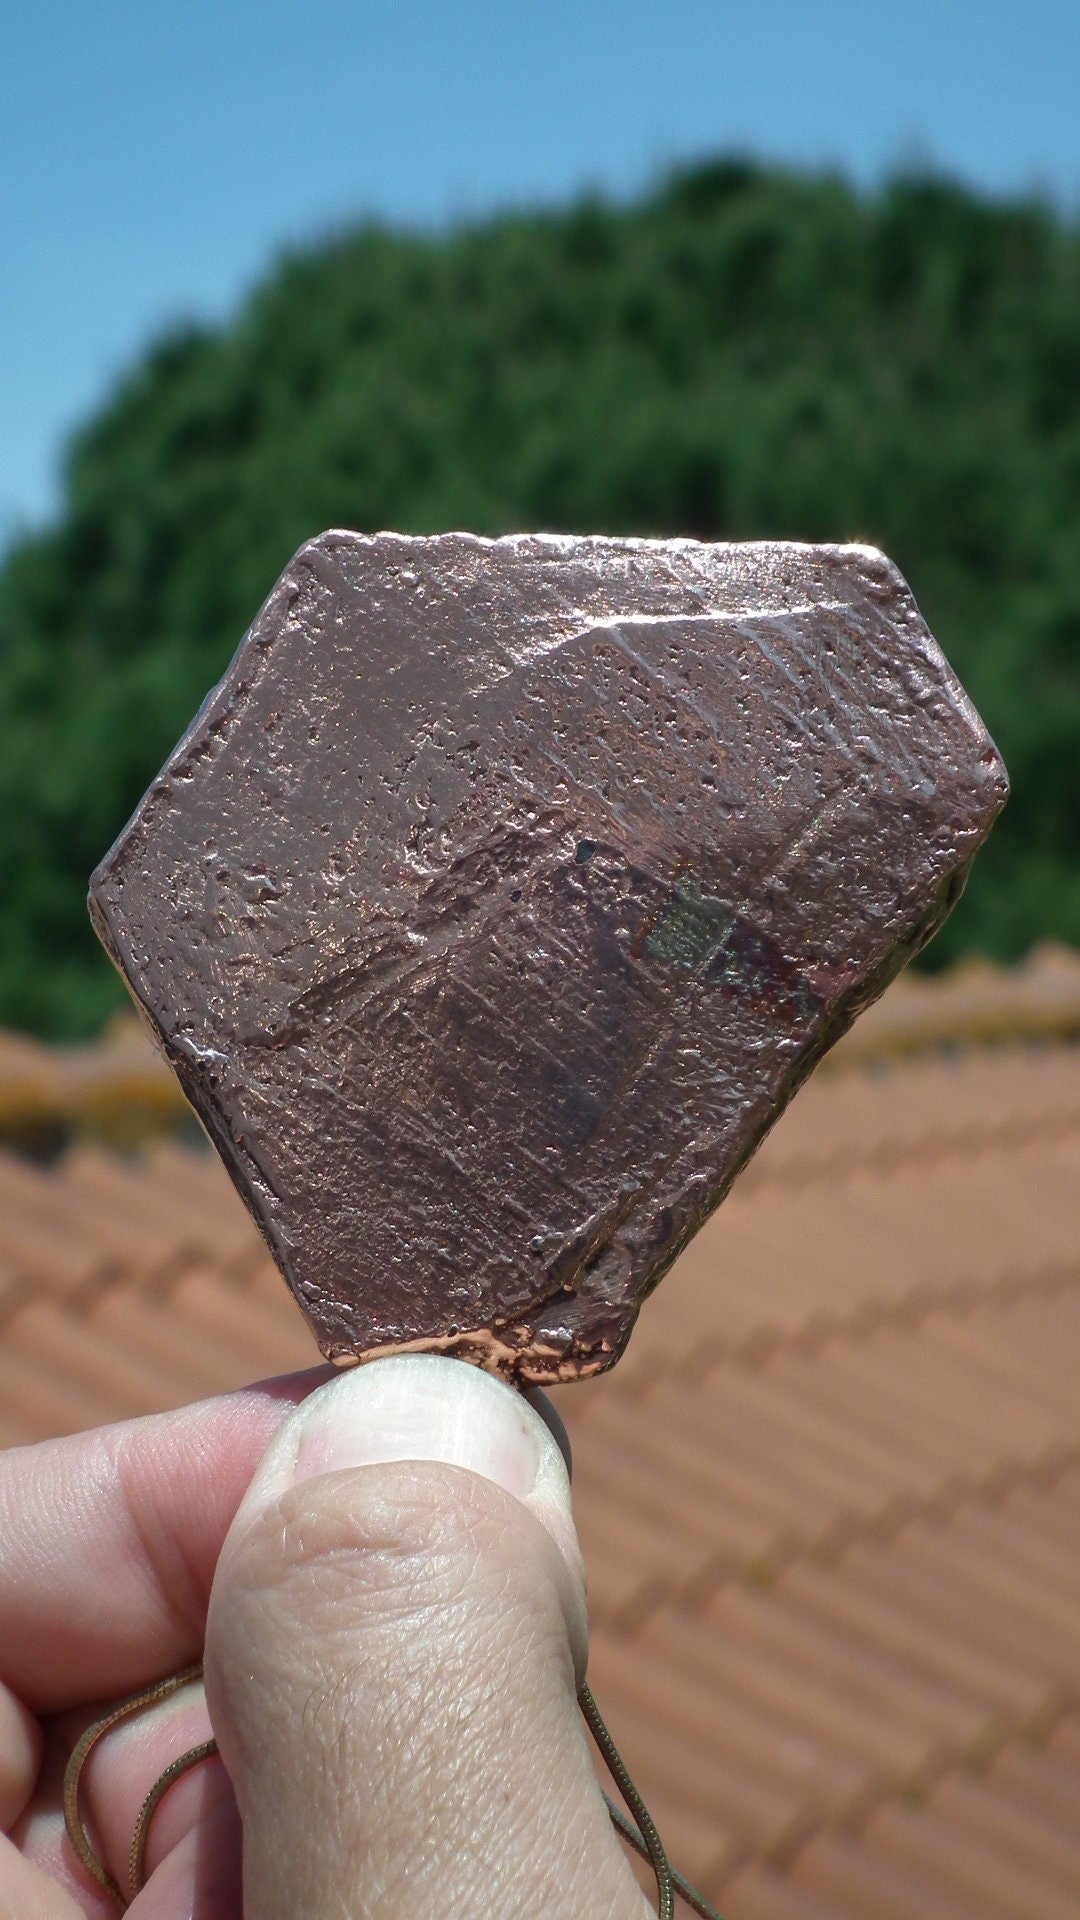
x=501 y=894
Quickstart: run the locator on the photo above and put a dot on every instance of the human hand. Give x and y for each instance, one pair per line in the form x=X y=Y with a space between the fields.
x=393 y=1646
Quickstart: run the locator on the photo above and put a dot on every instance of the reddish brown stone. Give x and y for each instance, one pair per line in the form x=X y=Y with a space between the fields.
x=502 y=893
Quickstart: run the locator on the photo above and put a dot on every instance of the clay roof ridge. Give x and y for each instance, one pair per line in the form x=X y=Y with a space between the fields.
x=845 y=1163
x=100 y=1085
x=942 y=1760
x=907 y=1313
x=150 y=1282
x=887 y=1526
x=972 y=1761
x=975 y=1002
x=157 y=1282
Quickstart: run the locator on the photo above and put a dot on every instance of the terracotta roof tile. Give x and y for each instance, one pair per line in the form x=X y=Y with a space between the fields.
x=831 y=1782
x=119 y=1088
x=877 y=1617
x=918 y=1111
x=855 y=1882
x=761 y=1893
x=175 y=1230
x=830 y=1501
x=981 y=1870
x=984 y=1811
x=1041 y=1780
x=78 y=1348
x=195 y=1181
x=975 y=1003
x=722 y=1655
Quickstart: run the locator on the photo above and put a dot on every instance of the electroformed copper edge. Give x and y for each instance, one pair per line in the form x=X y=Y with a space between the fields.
x=592 y=1305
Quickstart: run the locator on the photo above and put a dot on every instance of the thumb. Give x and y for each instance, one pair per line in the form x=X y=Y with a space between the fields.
x=396 y=1629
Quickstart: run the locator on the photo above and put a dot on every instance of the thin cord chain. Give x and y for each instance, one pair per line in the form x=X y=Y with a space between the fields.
x=73 y=1820
x=630 y=1833
x=643 y=1819
x=640 y=1833
x=683 y=1887
x=137 y=1854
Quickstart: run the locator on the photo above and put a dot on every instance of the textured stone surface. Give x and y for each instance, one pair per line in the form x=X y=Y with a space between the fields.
x=502 y=893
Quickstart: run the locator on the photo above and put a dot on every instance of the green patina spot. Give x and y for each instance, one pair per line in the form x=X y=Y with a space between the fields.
x=700 y=935
x=692 y=930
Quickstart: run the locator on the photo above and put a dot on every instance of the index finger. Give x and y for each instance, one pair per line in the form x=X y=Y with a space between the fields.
x=111 y=1539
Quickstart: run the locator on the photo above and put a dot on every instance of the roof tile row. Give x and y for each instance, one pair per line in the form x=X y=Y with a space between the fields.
x=830 y=1501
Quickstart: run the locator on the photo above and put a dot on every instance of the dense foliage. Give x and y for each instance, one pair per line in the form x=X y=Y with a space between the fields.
x=743 y=352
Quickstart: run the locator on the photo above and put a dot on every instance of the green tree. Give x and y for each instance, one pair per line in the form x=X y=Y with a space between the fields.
x=744 y=352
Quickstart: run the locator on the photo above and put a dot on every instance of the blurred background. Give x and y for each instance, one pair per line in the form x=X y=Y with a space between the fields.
x=731 y=271
x=785 y=270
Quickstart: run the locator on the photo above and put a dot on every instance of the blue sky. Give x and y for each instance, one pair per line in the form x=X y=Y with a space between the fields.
x=153 y=157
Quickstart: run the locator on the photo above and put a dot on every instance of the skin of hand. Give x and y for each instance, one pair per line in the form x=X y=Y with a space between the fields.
x=380 y=1570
